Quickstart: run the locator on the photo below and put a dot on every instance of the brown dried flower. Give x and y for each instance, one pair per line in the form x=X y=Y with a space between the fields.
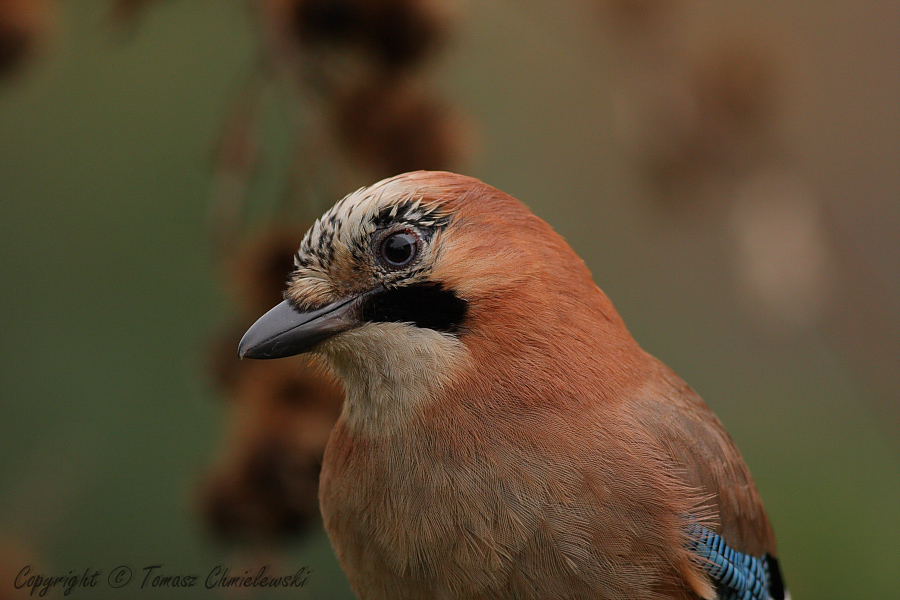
x=222 y=365
x=398 y=128
x=22 y=25
x=637 y=12
x=737 y=84
x=396 y=33
x=403 y=32
x=265 y=486
x=258 y=272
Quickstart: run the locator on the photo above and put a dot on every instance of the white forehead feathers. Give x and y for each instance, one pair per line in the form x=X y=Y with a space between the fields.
x=348 y=224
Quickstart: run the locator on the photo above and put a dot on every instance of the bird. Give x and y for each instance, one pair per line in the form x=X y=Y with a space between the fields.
x=503 y=435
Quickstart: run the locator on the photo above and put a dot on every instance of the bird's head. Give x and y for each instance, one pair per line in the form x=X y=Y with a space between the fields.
x=427 y=274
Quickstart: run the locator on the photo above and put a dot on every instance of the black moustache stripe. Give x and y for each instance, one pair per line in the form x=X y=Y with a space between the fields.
x=425 y=305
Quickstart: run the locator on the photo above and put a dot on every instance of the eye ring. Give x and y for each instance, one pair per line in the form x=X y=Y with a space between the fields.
x=398 y=249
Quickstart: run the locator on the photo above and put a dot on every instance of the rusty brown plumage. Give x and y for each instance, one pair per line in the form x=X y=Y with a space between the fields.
x=537 y=453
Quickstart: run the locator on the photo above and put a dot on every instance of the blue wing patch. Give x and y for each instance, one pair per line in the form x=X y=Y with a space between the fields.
x=737 y=576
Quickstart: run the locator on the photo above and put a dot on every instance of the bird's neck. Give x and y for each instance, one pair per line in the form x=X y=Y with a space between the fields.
x=391 y=370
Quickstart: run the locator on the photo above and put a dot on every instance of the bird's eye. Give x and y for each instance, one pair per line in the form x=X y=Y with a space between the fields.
x=399 y=249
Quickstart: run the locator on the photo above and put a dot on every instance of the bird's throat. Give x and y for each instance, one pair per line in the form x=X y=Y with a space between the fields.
x=391 y=370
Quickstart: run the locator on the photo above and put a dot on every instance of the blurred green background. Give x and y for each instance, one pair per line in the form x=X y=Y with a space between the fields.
x=111 y=287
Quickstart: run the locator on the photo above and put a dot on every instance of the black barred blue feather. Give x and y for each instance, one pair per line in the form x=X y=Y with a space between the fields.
x=737 y=576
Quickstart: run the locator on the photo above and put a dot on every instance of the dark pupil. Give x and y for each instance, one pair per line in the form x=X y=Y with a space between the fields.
x=399 y=248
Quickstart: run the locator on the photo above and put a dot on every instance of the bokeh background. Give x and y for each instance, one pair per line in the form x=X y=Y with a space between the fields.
x=730 y=172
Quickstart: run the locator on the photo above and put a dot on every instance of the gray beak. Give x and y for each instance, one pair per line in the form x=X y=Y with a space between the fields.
x=286 y=331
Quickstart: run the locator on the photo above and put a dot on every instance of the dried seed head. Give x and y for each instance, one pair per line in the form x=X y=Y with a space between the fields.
x=402 y=33
x=271 y=495
x=395 y=33
x=328 y=21
x=738 y=84
x=265 y=485
x=259 y=270
x=23 y=24
x=397 y=128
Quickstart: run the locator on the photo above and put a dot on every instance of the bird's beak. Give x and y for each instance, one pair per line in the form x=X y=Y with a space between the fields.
x=286 y=331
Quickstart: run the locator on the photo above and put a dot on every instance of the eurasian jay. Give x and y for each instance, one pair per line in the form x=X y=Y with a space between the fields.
x=503 y=435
